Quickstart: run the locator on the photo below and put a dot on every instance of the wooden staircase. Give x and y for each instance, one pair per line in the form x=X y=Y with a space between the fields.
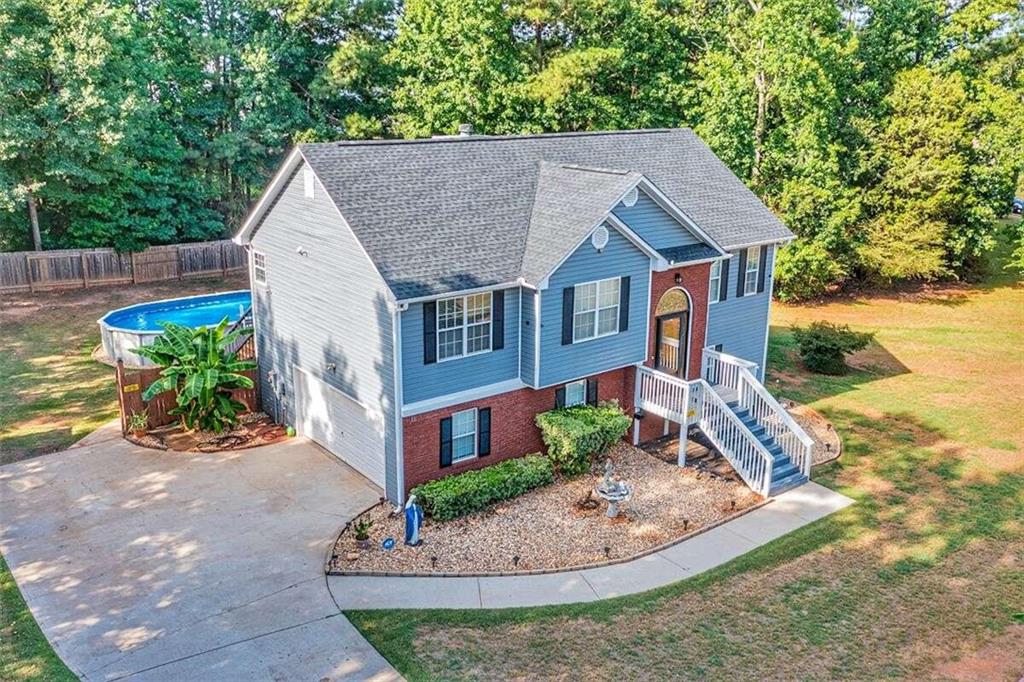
x=737 y=415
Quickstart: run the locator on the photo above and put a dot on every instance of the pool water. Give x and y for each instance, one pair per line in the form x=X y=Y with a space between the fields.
x=194 y=311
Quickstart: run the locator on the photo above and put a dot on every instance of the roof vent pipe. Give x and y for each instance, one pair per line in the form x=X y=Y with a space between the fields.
x=465 y=129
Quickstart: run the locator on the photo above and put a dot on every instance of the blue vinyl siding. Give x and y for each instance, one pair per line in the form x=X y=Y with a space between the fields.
x=422 y=382
x=528 y=337
x=653 y=224
x=620 y=257
x=739 y=323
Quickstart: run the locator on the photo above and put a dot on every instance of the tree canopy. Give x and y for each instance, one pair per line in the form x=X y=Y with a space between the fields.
x=888 y=134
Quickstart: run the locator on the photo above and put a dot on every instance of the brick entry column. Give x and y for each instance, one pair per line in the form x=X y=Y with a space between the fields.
x=693 y=279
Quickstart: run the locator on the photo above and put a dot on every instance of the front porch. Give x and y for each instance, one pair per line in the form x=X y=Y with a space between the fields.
x=735 y=414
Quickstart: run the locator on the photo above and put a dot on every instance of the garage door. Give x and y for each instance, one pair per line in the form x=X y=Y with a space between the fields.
x=341 y=425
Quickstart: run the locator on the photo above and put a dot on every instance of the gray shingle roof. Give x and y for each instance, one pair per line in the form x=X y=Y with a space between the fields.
x=569 y=201
x=446 y=214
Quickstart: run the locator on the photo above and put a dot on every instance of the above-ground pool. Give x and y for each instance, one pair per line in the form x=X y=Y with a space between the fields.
x=137 y=325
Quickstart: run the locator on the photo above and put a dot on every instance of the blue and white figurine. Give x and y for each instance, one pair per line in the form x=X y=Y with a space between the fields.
x=413 y=521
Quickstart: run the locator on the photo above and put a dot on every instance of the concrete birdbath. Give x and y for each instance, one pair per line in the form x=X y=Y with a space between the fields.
x=613 y=491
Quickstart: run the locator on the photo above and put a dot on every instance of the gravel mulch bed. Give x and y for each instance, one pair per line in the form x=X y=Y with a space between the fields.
x=827 y=443
x=546 y=529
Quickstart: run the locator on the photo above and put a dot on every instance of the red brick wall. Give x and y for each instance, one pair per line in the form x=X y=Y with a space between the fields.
x=513 y=432
x=694 y=279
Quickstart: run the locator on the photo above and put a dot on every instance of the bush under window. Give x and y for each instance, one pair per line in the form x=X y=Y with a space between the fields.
x=823 y=346
x=575 y=435
x=454 y=496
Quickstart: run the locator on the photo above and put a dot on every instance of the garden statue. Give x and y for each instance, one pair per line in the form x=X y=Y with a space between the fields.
x=413 y=521
x=613 y=491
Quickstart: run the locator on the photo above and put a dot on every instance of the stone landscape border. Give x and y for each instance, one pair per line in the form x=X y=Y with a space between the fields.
x=536 y=571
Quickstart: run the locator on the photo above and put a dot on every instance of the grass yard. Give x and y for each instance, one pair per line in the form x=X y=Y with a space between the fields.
x=54 y=392
x=922 y=578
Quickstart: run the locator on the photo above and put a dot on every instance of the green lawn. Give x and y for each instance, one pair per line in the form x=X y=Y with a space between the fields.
x=921 y=578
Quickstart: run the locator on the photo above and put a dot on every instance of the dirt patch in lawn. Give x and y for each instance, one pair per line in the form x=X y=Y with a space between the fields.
x=547 y=530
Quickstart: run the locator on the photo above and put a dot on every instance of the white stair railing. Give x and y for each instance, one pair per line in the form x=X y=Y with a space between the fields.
x=733 y=439
x=736 y=375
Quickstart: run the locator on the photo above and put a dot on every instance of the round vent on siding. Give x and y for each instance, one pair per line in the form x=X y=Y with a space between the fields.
x=599 y=238
x=630 y=198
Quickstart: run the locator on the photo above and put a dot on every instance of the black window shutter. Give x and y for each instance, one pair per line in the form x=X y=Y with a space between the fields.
x=497 y=320
x=723 y=286
x=483 y=431
x=624 y=304
x=592 y=392
x=560 y=397
x=446 y=442
x=741 y=274
x=429 y=332
x=568 y=302
x=762 y=269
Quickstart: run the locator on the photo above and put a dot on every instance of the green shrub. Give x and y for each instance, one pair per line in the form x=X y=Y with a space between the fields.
x=574 y=435
x=823 y=346
x=454 y=496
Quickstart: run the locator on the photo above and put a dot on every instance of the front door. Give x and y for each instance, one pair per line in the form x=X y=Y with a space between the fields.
x=670 y=351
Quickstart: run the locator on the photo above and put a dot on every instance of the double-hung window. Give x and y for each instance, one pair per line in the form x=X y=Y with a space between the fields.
x=576 y=393
x=753 y=271
x=595 y=309
x=464 y=435
x=715 y=283
x=259 y=267
x=463 y=325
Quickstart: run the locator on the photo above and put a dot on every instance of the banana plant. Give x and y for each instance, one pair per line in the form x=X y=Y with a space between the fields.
x=200 y=367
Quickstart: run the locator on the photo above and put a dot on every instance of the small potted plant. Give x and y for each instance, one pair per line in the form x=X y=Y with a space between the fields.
x=362 y=531
x=138 y=422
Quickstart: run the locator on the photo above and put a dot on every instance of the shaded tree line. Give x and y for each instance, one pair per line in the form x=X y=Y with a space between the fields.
x=888 y=134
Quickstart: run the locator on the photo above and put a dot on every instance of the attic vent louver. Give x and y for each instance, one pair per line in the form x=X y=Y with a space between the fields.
x=630 y=198
x=599 y=239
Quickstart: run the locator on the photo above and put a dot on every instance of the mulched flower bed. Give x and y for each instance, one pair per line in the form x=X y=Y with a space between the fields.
x=827 y=444
x=548 y=530
x=254 y=429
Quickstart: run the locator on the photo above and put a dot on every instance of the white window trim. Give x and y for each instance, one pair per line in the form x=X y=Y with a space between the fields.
x=597 y=308
x=583 y=394
x=756 y=251
x=465 y=326
x=475 y=433
x=256 y=268
x=715 y=292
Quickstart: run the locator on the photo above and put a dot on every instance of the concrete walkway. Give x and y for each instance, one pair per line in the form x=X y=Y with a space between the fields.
x=151 y=565
x=784 y=514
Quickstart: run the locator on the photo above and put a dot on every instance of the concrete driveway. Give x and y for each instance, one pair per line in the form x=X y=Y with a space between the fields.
x=154 y=565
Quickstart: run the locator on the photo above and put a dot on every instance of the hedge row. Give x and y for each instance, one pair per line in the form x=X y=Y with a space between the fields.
x=454 y=496
x=575 y=435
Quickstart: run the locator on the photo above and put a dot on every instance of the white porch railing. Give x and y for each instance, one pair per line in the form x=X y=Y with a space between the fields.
x=669 y=353
x=662 y=394
x=737 y=377
x=747 y=455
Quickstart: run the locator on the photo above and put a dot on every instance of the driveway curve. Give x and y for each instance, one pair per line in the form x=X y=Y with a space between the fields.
x=146 y=565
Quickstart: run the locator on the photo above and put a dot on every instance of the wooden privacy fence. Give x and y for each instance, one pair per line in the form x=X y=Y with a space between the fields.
x=132 y=383
x=76 y=268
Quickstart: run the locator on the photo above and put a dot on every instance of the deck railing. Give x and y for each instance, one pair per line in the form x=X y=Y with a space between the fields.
x=662 y=394
x=736 y=376
x=730 y=436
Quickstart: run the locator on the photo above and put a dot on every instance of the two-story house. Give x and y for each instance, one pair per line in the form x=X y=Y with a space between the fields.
x=417 y=303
